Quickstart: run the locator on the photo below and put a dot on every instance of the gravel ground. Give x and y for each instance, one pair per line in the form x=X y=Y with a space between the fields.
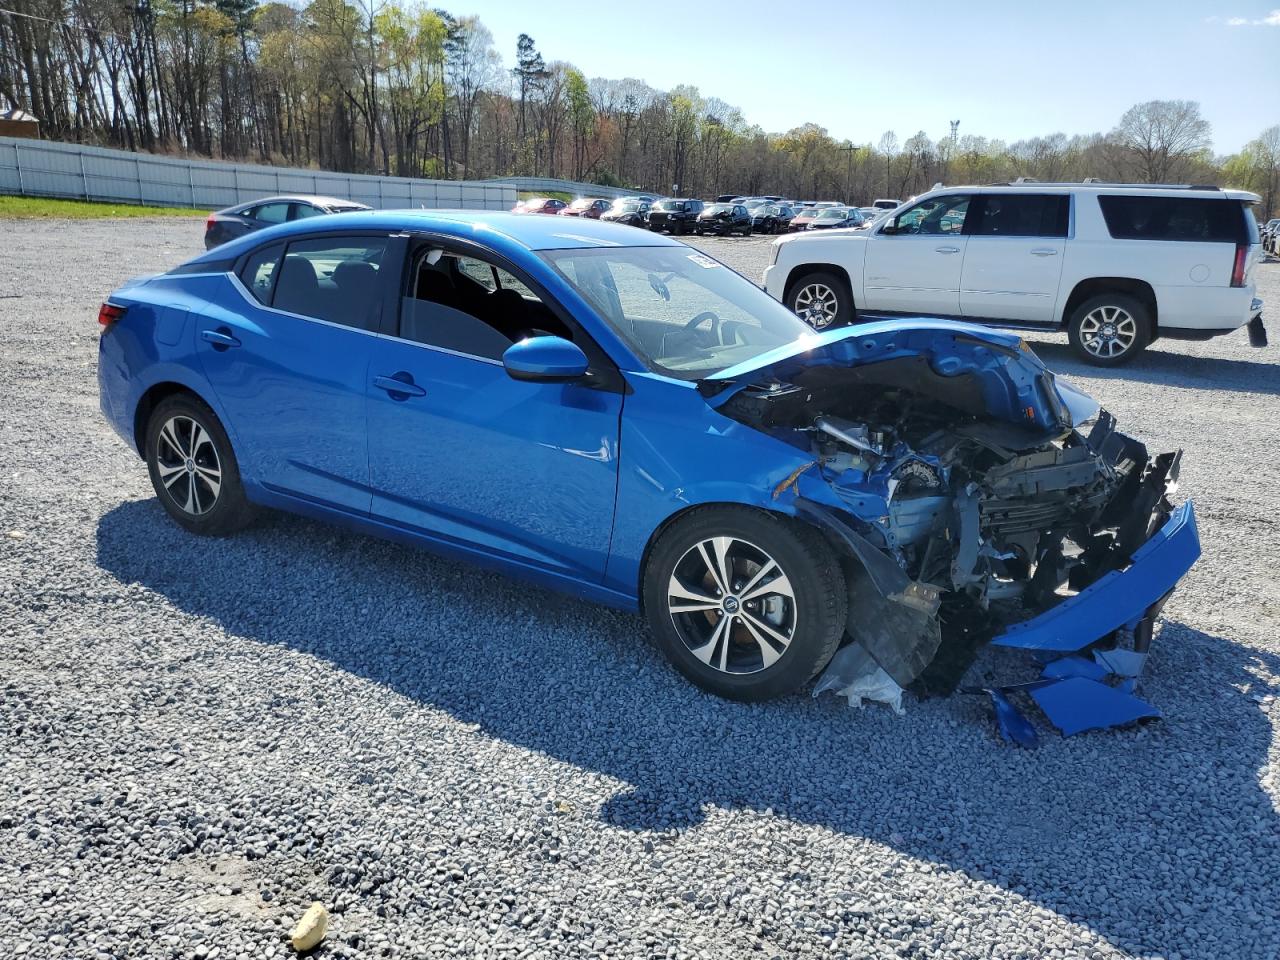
x=198 y=738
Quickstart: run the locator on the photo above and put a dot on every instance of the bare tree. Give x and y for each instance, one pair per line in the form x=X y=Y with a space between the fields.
x=1161 y=137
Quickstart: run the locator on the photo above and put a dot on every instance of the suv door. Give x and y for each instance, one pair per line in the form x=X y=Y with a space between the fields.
x=460 y=450
x=914 y=260
x=1013 y=264
x=287 y=353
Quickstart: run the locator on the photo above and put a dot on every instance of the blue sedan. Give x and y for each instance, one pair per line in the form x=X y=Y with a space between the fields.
x=611 y=413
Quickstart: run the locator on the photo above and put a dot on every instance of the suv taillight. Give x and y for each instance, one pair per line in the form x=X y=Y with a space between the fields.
x=208 y=224
x=1240 y=265
x=109 y=313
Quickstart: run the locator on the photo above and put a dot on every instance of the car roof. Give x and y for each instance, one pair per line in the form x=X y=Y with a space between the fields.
x=505 y=232
x=303 y=197
x=1127 y=189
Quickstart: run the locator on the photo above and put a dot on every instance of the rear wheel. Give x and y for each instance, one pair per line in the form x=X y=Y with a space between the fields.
x=822 y=300
x=193 y=468
x=747 y=605
x=1109 y=329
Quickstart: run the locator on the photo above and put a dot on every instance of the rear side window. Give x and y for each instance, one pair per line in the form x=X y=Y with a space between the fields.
x=333 y=279
x=1196 y=219
x=302 y=211
x=259 y=271
x=1022 y=215
x=270 y=213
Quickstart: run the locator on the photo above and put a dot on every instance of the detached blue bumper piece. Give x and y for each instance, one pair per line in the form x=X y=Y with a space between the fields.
x=1079 y=693
x=1118 y=598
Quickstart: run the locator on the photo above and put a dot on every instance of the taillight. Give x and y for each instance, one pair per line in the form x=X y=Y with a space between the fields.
x=1241 y=264
x=208 y=224
x=109 y=313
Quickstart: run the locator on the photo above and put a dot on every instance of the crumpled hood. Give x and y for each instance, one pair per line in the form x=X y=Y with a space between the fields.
x=1016 y=384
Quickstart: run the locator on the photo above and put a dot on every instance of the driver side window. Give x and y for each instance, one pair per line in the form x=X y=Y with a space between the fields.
x=934 y=217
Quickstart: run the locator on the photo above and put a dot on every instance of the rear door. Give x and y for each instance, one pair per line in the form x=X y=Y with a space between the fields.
x=287 y=352
x=914 y=260
x=1013 y=261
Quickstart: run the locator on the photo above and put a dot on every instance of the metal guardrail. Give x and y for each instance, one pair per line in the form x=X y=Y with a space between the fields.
x=43 y=168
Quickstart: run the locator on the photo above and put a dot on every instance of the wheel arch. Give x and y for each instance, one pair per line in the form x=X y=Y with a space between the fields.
x=151 y=398
x=803 y=270
x=1094 y=286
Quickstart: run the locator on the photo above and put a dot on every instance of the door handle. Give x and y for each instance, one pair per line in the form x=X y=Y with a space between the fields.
x=1044 y=252
x=399 y=385
x=220 y=338
x=947 y=249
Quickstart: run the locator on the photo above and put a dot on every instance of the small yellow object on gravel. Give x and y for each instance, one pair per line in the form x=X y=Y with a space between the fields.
x=310 y=930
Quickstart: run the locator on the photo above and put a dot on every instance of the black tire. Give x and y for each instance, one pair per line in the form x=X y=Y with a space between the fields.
x=806 y=300
x=1110 y=329
x=191 y=478
x=809 y=612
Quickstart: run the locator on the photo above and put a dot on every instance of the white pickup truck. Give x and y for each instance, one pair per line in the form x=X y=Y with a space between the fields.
x=1115 y=265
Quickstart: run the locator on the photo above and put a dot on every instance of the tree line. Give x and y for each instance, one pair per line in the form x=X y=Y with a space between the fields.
x=381 y=86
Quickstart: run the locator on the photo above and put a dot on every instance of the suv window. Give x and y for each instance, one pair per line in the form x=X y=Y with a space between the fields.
x=333 y=279
x=269 y=213
x=1022 y=215
x=1174 y=218
x=259 y=271
x=935 y=216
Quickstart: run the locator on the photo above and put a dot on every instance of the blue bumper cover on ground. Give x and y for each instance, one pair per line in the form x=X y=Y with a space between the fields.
x=1078 y=694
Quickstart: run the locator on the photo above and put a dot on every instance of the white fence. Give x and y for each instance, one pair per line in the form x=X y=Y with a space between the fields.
x=41 y=168
x=550 y=184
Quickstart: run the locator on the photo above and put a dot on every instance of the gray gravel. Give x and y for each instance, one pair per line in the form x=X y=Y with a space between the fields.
x=198 y=738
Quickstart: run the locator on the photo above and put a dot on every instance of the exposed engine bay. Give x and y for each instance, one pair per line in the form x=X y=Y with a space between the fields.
x=958 y=523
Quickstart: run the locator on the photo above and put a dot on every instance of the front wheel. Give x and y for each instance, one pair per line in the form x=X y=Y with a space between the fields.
x=193 y=468
x=746 y=604
x=1109 y=330
x=821 y=300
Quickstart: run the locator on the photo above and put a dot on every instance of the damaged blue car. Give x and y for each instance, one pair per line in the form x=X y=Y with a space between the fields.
x=614 y=414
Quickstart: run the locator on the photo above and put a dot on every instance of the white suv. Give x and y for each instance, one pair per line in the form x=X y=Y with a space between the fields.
x=1115 y=265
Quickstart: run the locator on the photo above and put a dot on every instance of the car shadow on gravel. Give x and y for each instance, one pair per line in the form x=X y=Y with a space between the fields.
x=1156 y=366
x=1151 y=837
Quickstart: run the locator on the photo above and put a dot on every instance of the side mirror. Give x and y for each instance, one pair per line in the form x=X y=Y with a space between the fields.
x=545 y=360
x=889 y=229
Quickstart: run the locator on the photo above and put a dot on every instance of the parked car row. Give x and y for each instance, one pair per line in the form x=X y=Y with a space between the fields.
x=721 y=217
x=1270 y=235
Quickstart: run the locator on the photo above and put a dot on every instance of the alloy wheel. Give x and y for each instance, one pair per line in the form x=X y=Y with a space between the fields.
x=732 y=605
x=1108 y=332
x=816 y=305
x=188 y=465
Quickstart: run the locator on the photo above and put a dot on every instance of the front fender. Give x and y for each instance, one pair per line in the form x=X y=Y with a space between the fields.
x=676 y=452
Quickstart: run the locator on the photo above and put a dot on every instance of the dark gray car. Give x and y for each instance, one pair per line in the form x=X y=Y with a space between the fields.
x=243 y=218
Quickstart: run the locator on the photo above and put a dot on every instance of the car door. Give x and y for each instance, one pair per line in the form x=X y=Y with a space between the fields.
x=1013 y=261
x=460 y=450
x=287 y=353
x=914 y=260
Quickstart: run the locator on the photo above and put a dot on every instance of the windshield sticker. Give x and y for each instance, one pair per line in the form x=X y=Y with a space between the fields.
x=702 y=260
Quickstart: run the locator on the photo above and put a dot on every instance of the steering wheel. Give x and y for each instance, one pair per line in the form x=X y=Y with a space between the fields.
x=705 y=315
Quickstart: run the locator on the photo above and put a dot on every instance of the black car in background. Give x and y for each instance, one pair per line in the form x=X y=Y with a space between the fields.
x=768 y=218
x=633 y=211
x=224 y=225
x=723 y=219
x=679 y=215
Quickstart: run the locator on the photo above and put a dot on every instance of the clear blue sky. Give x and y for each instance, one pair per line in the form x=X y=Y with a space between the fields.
x=1005 y=70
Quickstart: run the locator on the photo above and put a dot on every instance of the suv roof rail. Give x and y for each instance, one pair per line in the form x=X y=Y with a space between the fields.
x=1098 y=181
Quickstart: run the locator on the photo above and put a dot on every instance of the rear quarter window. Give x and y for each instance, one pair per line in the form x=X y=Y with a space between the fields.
x=1187 y=219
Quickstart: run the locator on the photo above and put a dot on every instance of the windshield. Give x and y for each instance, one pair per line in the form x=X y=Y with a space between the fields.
x=832 y=213
x=671 y=205
x=626 y=206
x=718 y=208
x=680 y=310
x=581 y=204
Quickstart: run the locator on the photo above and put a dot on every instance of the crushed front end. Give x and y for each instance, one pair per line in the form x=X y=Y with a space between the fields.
x=977 y=500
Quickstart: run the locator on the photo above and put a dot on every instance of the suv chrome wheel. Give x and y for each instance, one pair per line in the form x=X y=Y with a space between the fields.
x=817 y=305
x=732 y=605
x=1108 y=332
x=188 y=465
